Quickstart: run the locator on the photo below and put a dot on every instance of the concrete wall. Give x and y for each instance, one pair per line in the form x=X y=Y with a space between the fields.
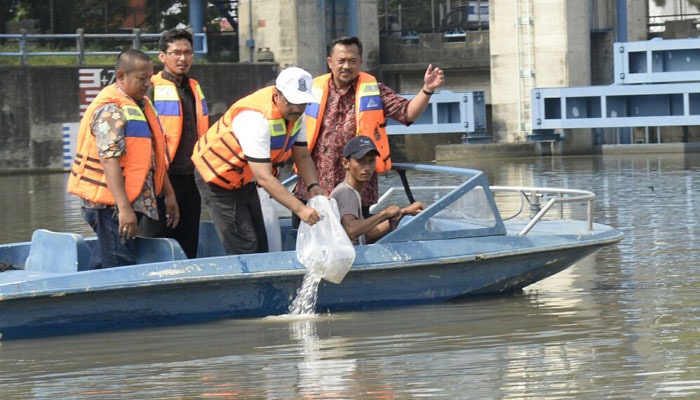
x=296 y=31
x=637 y=14
x=273 y=27
x=368 y=32
x=466 y=63
x=573 y=42
x=34 y=104
x=560 y=31
x=420 y=148
x=37 y=101
x=312 y=45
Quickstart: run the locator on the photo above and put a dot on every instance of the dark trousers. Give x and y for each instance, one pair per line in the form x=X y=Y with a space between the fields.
x=190 y=204
x=237 y=216
x=111 y=250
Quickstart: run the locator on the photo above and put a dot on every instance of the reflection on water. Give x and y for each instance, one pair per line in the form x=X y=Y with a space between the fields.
x=33 y=201
x=620 y=324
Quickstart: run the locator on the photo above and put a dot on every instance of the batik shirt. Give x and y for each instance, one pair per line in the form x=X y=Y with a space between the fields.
x=338 y=127
x=108 y=127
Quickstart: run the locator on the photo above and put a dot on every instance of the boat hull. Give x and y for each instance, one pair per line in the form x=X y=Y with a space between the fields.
x=458 y=246
x=222 y=289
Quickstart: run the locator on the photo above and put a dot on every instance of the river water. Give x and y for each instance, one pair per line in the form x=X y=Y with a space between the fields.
x=621 y=324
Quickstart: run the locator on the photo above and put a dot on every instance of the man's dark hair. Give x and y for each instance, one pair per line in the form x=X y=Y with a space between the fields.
x=345 y=41
x=127 y=59
x=172 y=35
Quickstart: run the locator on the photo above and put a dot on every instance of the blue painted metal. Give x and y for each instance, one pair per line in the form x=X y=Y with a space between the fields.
x=448 y=112
x=391 y=273
x=197 y=22
x=136 y=38
x=420 y=227
x=657 y=61
x=353 y=17
x=657 y=83
x=250 y=42
x=671 y=104
x=621 y=20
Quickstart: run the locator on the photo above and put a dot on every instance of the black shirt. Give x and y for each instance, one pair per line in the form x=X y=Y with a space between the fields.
x=181 y=162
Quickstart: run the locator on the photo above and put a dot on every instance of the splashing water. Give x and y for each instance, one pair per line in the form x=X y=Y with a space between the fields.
x=305 y=302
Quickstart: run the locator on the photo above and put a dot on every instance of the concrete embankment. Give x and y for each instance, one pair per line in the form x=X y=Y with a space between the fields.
x=463 y=152
x=36 y=104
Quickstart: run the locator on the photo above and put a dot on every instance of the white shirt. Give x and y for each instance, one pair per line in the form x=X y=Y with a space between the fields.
x=253 y=134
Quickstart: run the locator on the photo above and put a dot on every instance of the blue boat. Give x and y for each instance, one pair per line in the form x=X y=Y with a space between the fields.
x=460 y=245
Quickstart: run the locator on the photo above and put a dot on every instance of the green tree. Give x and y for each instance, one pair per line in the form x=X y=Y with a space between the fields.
x=99 y=16
x=64 y=16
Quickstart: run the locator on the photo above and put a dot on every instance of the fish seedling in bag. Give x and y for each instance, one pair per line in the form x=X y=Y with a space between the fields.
x=324 y=248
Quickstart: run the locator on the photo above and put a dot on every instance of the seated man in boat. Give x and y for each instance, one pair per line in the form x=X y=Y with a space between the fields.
x=244 y=149
x=119 y=168
x=359 y=159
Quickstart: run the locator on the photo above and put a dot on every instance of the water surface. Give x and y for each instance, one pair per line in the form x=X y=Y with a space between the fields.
x=621 y=324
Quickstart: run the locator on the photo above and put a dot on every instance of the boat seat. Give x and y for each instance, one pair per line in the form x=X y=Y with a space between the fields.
x=209 y=243
x=57 y=252
x=150 y=250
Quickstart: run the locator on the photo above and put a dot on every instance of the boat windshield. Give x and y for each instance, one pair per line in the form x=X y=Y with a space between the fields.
x=470 y=211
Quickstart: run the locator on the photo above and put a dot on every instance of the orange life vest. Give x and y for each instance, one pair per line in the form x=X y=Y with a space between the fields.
x=218 y=155
x=167 y=103
x=143 y=135
x=369 y=115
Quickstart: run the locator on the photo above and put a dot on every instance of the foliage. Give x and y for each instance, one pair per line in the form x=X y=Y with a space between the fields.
x=96 y=16
x=103 y=16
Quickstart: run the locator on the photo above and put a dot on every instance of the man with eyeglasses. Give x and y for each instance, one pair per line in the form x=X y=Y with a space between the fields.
x=245 y=148
x=349 y=103
x=182 y=111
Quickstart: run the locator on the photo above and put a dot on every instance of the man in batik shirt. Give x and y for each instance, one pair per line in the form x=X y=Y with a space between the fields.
x=119 y=168
x=333 y=120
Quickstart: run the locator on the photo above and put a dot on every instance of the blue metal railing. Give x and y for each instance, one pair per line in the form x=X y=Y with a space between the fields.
x=136 y=37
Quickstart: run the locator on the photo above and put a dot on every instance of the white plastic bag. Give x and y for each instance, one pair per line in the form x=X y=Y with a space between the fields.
x=272 y=223
x=324 y=247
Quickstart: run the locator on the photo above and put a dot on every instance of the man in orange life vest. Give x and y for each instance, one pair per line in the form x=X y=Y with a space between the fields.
x=245 y=147
x=348 y=103
x=182 y=111
x=119 y=168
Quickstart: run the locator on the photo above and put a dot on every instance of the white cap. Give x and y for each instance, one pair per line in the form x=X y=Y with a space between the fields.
x=295 y=85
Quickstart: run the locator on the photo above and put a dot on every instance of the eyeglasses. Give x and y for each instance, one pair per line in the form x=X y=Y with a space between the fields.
x=178 y=54
x=292 y=105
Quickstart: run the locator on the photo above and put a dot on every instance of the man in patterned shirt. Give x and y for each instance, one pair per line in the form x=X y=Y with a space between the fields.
x=341 y=104
x=119 y=168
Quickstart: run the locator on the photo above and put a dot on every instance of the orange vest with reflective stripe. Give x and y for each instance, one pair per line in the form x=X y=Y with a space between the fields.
x=369 y=115
x=167 y=103
x=218 y=156
x=143 y=135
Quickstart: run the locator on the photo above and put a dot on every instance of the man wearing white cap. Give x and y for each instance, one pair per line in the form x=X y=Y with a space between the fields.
x=245 y=147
